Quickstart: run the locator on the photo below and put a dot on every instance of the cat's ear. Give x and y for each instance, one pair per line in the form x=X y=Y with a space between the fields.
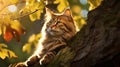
x=67 y=11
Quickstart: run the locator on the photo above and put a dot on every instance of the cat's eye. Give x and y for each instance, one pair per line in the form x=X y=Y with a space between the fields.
x=57 y=22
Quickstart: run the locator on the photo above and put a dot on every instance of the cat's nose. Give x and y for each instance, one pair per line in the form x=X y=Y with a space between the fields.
x=49 y=29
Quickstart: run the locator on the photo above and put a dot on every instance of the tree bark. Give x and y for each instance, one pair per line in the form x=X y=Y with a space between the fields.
x=98 y=42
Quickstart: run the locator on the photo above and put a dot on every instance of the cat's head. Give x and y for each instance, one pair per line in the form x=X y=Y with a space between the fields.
x=60 y=23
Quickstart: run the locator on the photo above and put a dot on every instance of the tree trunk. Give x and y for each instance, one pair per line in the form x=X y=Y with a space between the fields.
x=98 y=42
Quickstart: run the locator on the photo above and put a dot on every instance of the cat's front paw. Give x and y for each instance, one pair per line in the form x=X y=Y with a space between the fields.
x=47 y=58
x=21 y=64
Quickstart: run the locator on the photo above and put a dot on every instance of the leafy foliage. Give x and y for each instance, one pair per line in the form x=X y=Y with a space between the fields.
x=33 y=8
x=5 y=52
x=10 y=25
x=62 y=4
x=94 y=3
x=33 y=40
x=12 y=29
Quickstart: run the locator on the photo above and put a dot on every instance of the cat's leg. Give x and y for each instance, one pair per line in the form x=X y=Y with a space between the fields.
x=29 y=63
x=47 y=57
x=20 y=64
x=32 y=60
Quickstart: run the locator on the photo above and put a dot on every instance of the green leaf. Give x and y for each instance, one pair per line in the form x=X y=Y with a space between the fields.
x=4 y=52
x=32 y=41
x=62 y=4
x=13 y=1
x=27 y=47
x=94 y=3
x=11 y=54
x=31 y=38
x=33 y=16
x=3 y=45
x=36 y=10
x=15 y=24
x=79 y=22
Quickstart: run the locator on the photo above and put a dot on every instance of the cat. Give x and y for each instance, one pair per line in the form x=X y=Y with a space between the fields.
x=56 y=31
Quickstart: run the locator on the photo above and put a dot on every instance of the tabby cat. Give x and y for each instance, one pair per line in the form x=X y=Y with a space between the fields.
x=57 y=30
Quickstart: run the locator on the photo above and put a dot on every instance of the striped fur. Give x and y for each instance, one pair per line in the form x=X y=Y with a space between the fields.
x=58 y=28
